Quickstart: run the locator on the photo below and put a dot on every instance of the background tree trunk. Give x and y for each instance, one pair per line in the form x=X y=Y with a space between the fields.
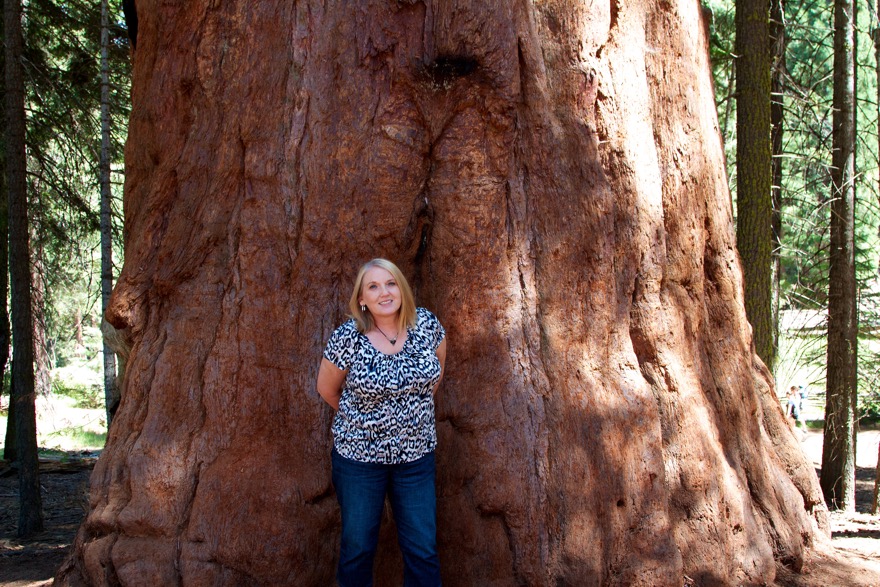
x=551 y=177
x=838 y=447
x=30 y=519
x=5 y=334
x=777 y=118
x=111 y=394
x=10 y=446
x=754 y=205
x=875 y=35
x=78 y=330
x=42 y=359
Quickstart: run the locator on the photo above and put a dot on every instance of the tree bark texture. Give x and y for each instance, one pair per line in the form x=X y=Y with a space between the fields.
x=30 y=519
x=754 y=189
x=838 y=476
x=551 y=178
x=779 y=44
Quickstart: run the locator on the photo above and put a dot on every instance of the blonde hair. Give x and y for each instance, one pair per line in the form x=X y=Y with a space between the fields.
x=406 y=314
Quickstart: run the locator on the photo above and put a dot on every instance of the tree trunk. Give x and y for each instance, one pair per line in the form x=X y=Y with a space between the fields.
x=552 y=180
x=111 y=395
x=874 y=497
x=838 y=448
x=10 y=446
x=875 y=34
x=30 y=518
x=777 y=118
x=754 y=206
x=42 y=360
x=5 y=334
x=78 y=330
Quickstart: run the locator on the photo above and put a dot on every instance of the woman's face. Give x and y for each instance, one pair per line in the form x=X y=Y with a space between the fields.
x=380 y=293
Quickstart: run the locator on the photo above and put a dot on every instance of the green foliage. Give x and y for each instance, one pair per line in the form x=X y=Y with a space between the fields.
x=79 y=371
x=721 y=51
x=806 y=184
x=63 y=92
x=869 y=363
x=85 y=396
x=807 y=142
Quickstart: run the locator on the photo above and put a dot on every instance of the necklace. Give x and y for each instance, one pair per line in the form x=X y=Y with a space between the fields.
x=391 y=340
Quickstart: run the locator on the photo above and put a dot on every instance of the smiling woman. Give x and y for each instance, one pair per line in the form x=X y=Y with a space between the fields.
x=379 y=372
x=382 y=302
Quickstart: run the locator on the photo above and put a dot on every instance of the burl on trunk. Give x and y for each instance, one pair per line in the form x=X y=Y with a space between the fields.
x=550 y=176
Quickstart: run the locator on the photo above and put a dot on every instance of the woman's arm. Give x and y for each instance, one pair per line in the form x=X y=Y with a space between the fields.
x=441 y=356
x=330 y=380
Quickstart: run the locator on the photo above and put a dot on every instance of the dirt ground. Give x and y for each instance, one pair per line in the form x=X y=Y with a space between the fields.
x=852 y=557
x=33 y=561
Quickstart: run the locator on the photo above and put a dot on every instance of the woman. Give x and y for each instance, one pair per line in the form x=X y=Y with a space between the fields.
x=379 y=372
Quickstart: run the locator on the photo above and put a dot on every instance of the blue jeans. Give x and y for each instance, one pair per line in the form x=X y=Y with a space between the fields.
x=361 y=489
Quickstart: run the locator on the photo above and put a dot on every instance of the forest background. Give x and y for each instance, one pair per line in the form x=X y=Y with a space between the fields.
x=75 y=67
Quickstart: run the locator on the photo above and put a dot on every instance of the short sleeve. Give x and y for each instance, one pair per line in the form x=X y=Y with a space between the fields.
x=432 y=328
x=341 y=347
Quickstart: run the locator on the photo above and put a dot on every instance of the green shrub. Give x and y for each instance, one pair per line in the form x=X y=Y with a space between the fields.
x=87 y=396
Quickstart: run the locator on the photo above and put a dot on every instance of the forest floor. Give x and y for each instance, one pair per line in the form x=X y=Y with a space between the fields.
x=851 y=558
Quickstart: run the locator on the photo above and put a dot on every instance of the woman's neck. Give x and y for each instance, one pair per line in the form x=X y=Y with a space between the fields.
x=386 y=323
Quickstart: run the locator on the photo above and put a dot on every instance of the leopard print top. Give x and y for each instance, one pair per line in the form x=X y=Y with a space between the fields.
x=386 y=412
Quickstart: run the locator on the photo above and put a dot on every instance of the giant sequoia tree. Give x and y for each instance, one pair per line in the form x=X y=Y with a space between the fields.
x=551 y=177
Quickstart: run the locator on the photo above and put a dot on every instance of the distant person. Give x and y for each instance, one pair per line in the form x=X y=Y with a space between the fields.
x=793 y=407
x=379 y=373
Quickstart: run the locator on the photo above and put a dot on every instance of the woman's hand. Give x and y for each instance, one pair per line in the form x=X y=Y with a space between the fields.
x=330 y=380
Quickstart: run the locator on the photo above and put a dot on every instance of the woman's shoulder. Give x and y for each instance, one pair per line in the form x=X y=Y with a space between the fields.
x=347 y=329
x=425 y=315
x=341 y=346
x=348 y=325
x=428 y=323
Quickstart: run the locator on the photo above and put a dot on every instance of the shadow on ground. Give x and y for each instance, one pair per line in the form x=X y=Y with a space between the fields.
x=33 y=561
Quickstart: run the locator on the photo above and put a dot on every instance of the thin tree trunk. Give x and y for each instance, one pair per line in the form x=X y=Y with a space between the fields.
x=10 y=448
x=78 y=330
x=5 y=334
x=754 y=235
x=4 y=273
x=875 y=32
x=30 y=514
x=777 y=115
x=42 y=360
x=874 y=498
x=837 y=477
x=9 y=443
x=110 y=393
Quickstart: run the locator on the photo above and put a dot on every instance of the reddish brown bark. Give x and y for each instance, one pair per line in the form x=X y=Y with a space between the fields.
x=552 y=180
